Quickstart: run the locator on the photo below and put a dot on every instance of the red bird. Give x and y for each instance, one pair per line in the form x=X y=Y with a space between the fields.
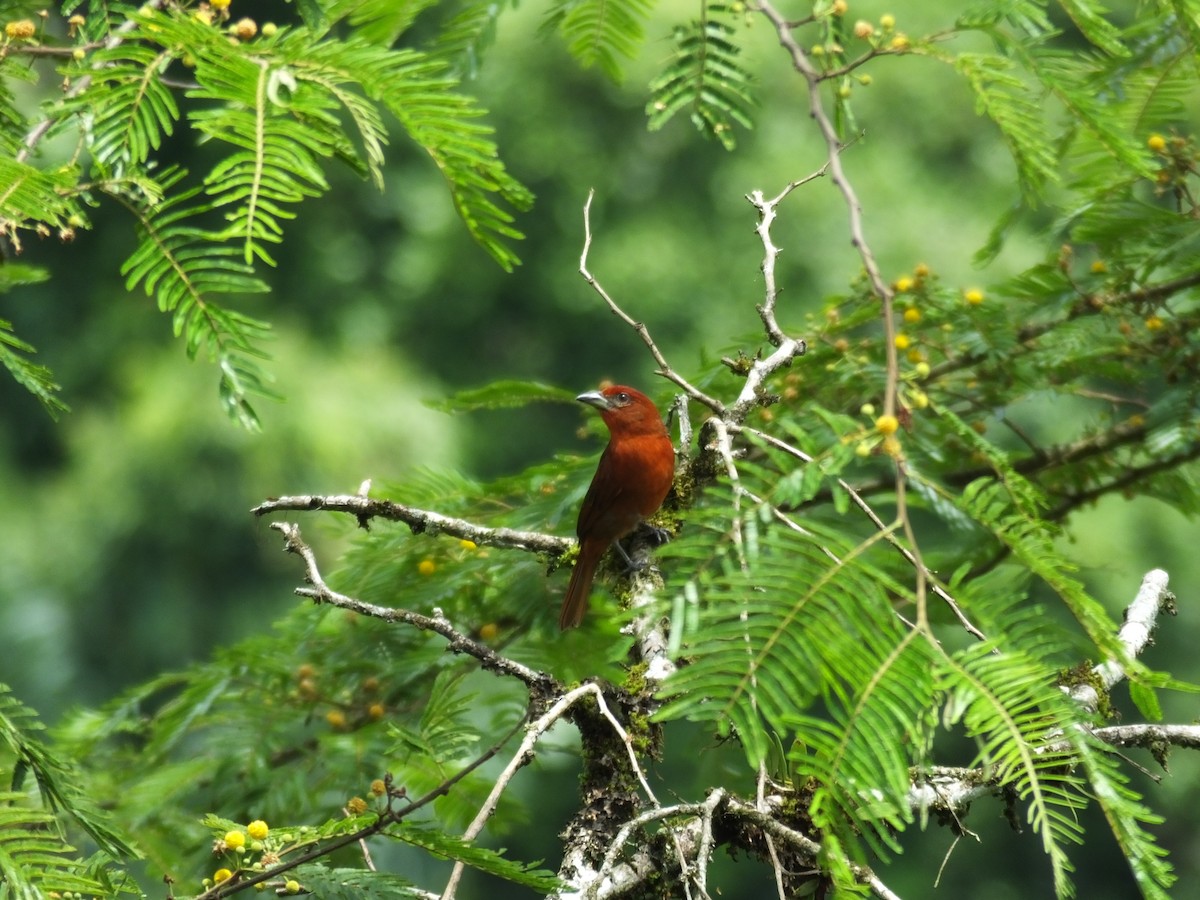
x=631 y=481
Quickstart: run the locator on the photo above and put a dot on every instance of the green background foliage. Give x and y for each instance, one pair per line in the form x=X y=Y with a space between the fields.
x=371 y=204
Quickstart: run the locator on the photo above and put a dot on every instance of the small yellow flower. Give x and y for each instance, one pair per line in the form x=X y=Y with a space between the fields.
x=900 y=42
x=467 y=545
x=1157 y=143
x=375 y=711
x=974 y=296
x=922 y=369
x=867 y=409
x=920 y=399
x=427 y=566
x=1154 y=323
x=219 y=4
x=336 y=719
x=863 y=29
x=356 y=806
x=912 y=315
x=292 y=886
x=887 y=425
x=488 y=632
x=915 y=355
x=269 y=29
x=234 y=839
x=903 y=284
x=1099 y=267
x=902 y=341
x=921 y=270
x=887 y=21
x=221 y=875
x=839 y=7
x=378 y=787
x=245 y=29
x=258 y=830
x=21 y=29
x=863 y=449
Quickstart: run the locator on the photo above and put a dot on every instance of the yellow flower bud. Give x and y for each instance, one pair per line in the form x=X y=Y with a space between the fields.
x=258 y=829
x=21 y=29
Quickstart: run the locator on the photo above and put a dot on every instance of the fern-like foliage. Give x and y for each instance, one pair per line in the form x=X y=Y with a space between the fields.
x=42 y=801
x=704 y=79
x=185 y=267
x=280 y=109
x=600 y=32
x=15 y=353
x=1005 y=97
x=139 y=111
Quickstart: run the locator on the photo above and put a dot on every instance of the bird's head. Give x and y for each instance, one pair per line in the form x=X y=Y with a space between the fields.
x=625 y=410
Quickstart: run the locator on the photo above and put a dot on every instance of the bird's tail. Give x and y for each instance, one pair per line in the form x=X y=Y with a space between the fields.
x=575 y=604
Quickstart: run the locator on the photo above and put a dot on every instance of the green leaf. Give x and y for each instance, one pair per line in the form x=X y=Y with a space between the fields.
x=36 y=379
x=599 y=32
x=703 y=79
x=503 y=395
x=489 y=861
x=1145 y=699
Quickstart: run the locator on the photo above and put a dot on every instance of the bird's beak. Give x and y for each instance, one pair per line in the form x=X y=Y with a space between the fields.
x=594 y=398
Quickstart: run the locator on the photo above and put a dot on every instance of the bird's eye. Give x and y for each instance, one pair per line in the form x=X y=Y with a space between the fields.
x=622 y=397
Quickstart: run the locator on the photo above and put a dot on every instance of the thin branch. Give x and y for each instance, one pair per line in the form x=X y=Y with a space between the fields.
x=533 y=733
x=390 y=816
x=421 y=521
x=664 y=368
x=786 y=348
x=803 y=65
x=1141 y=616
x=870 y=513
x=539 y=682
x=804 y=845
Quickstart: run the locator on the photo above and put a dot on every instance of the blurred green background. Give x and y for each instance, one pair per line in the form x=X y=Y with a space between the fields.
x=126 y=545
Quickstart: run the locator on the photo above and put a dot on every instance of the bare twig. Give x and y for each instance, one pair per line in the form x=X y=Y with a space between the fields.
x=421 y=521
x=524 y=753
x=803 y=65
x=664 y=368
x=533 y=732
x=458 y=642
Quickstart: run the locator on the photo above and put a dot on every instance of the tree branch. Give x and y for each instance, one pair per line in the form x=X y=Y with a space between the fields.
x=540 y=683
x=1141 y=616
x=664 y=368
x=421 y=521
